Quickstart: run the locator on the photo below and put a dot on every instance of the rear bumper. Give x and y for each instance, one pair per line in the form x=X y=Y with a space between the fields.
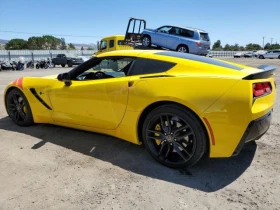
x=255 y=130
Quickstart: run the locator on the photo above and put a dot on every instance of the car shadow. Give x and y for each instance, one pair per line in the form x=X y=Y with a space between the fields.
x=208 y=175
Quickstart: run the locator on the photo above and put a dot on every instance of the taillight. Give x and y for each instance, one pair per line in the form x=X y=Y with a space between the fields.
x=261 y=88
x=198 y=43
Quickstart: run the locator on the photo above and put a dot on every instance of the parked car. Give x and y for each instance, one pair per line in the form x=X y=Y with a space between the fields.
x=141 y=97
x=249 y=55
x=181 y=39
x=84 y=58
x=238 y=55
x=270 y=54
x=259 y=52
x=62 y=59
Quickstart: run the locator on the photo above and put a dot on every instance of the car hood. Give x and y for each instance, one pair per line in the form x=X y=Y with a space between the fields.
x=51 y=76
x=149 y=29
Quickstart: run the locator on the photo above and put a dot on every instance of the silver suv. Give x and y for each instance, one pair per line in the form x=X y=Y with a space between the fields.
x=270 y=54
x=181 y=39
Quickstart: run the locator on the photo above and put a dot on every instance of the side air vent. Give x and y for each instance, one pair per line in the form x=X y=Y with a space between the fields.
x=33 y=91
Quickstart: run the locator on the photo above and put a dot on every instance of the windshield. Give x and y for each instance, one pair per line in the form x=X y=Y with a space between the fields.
x=204 y=36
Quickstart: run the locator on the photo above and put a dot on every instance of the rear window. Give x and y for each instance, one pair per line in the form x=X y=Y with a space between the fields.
x=204 y=36
x=199 y=59
x=150 y=66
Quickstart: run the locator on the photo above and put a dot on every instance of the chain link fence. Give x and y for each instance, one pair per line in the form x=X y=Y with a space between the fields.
x=36 y=55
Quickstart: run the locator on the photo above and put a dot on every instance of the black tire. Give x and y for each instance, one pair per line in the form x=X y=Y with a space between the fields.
x=190 y=138
x=146 y=41
x=69 y=64
x=18 y=108
x=63 y=65
x=279 y=57
x=183 y=48
x=37 y=66
x=261 y=57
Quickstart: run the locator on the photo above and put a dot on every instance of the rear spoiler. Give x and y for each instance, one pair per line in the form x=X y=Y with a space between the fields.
x=267 y=72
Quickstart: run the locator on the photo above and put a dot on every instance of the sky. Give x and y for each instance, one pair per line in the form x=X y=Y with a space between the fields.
x=87 y=21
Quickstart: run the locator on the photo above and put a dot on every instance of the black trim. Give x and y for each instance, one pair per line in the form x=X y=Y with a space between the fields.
x=157 y=76
x=33 y=91
x=255 y=130
x=267 y=72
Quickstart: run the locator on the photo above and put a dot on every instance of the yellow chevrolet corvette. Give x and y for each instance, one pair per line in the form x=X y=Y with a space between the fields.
x=180 y=106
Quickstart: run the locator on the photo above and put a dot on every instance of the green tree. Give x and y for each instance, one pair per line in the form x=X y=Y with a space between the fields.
x=275 y=46
x=71 y=47
x=267 y=46
x=63 y=44
x=217 y=45
x=50 y=42
x=227 y=47
x=16 y=44
x=90 y=48
x=35 y=43
x=252 y=46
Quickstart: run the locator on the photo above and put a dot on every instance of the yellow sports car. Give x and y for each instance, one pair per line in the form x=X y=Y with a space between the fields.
x=180 y=106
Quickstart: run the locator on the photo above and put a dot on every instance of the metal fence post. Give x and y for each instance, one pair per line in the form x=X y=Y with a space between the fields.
x=32 y=56
x=9 y=55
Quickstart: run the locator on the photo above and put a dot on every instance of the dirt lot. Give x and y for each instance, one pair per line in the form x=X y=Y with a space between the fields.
x=50 y=167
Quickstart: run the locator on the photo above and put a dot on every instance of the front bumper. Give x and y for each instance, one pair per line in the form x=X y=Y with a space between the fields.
x=255 y=130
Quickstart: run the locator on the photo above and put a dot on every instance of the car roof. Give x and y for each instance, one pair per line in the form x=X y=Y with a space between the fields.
x=186 y=27
x=114 y=36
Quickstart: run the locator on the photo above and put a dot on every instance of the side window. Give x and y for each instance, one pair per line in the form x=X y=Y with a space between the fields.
x=164 y=29
x=111 y=43
x=186 y=33
x=150 y=66
x=103 y=45
x=121 y=42
x=58 y=56
x=106 y=68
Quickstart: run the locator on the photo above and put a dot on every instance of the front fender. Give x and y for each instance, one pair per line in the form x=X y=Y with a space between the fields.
x=36 y=92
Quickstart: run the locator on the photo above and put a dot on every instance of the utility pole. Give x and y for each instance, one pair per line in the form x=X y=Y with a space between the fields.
x=263 y=42
x=271 y=41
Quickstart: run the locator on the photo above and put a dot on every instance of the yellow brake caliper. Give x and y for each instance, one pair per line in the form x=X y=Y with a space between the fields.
x=157 y=128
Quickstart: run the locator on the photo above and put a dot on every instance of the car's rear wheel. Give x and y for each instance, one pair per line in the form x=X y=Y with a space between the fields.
x=63 y=65
x=18 y=108
x=261 y=57
x=69 y=63
x=174 y=136
x=146 y=41
x=183 y=49
x=279 y=57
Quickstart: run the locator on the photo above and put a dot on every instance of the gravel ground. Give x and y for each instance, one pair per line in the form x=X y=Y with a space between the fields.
x=51 y=167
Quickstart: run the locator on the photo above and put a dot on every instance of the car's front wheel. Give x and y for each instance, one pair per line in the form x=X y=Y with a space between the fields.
x=146 y=41
x=261 y=57
x=18 y=108
x=174 y=136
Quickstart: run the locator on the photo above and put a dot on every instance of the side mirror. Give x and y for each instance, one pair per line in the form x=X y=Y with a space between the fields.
x=98 y=46
x=65 y=77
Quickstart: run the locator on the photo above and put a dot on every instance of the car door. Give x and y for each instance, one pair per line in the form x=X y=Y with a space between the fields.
x=275 y=54
x=160 y=36
x=89 y=101
x=269 y=54
x=174 y=38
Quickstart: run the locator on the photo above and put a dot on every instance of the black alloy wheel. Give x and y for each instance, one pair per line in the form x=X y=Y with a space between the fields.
x=18 y=108
x=174 y=136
